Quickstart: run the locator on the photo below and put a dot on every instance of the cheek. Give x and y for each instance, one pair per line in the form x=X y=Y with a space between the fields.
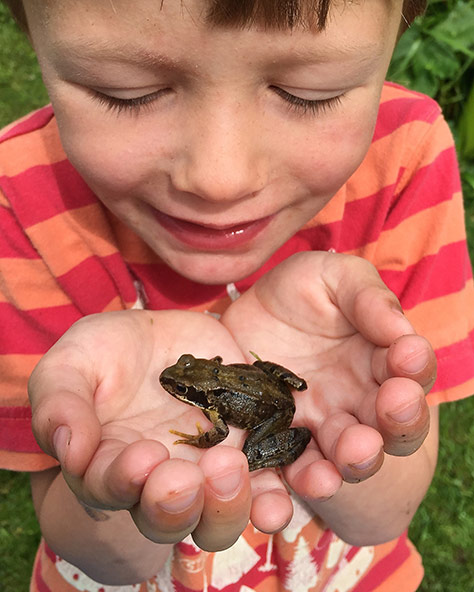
x=114 y=160
x=333 y=153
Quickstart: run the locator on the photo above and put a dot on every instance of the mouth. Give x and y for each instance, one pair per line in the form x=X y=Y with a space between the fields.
x=210 y=237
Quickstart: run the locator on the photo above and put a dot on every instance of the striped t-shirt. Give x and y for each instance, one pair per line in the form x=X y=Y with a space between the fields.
x=63 y=256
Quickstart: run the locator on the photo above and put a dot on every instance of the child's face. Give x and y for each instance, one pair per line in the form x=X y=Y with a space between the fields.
x=214 y=145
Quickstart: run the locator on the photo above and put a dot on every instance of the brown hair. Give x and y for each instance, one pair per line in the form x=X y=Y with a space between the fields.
x=282 y=14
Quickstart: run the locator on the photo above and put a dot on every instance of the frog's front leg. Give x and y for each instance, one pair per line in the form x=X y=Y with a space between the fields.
x=204 y=439
x=277 y=450
x=283 y=374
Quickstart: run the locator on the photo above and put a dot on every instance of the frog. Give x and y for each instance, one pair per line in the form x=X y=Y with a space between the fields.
x=256 y=397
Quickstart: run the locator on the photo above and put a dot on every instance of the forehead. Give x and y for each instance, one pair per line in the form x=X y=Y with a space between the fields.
x=177 y=30
x=270 y=14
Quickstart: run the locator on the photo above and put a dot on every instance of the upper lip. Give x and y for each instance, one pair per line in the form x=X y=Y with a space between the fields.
x=218 y=226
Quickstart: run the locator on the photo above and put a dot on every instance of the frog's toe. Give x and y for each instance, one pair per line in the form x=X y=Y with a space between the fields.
x=191 y=439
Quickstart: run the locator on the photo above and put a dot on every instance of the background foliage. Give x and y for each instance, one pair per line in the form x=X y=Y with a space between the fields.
x=435 y=56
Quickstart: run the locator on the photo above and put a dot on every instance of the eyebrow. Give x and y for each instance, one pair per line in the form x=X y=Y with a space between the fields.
x=98 y=49
x=134 y=54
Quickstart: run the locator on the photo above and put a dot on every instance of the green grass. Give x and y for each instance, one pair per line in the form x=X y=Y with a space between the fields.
x=443 y=528
x=19 y=532
x=21 y=86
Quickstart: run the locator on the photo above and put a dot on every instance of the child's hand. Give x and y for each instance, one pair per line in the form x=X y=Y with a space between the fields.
x=330 y=319
x=99 y=408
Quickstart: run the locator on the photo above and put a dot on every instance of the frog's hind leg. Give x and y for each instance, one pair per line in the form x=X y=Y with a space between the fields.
x=277 y=450
x=204 y=439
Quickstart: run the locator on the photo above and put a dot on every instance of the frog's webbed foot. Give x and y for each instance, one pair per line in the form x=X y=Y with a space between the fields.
x=277 y=450
x=204 y=439
x=188 y=438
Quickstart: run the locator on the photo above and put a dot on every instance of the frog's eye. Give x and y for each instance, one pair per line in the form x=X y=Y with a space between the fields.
x=186 y=360
x=181 y=389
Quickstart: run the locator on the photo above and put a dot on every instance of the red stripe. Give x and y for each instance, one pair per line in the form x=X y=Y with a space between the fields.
x=455 y=364
x=13 y=241
x=166 y=289
x=36 y=120
x=364 y=219
x=403 y=110
x=15 y=430
x=59 y=181
x=35 y=331
x=434 y=276
x=385 y=567
x=430 y=185
x=38 y=578
x=92 y=288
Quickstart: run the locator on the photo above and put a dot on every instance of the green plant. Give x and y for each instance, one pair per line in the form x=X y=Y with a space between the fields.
x=436 y=56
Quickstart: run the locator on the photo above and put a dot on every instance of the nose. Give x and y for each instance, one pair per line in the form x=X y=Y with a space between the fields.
x=220 y=157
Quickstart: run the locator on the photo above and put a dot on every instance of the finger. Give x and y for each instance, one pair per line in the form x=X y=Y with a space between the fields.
x=272 y=507
x=171 y=502
x=118 y=472
x=64 y=423
x=410 y=356
x=312 y=476
x=227 y=498
x=355 y=449
x=365 y=300
x=402 y=416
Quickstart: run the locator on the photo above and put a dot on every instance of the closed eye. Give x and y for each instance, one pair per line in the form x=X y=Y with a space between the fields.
x=133 y=105
x=307 y=106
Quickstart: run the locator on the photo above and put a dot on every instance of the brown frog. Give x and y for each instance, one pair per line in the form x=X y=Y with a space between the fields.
x=256 y=397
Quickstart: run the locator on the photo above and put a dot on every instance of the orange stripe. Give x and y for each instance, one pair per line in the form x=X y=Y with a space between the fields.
x=439 y=139
x=416 y=237
x=379 y=169
x=15 y=369
x=132 y=248
x=81 y=233
x=392 y=92
x=39 y=147
x=26 y=461
x=116 y=304
x=432 y=317
x=4 y=201
x=333 y=211
x=407 y=577
x=28 y=284
x=461 y=391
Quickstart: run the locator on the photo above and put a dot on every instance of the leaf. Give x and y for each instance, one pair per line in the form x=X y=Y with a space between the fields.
x=457 y=30
x=466 y=127
x=437 y=58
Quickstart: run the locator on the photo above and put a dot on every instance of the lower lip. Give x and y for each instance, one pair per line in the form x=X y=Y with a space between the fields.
x=212 y=239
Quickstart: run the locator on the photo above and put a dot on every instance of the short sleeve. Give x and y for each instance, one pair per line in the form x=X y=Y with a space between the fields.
x=422 y=256
x=34 y=312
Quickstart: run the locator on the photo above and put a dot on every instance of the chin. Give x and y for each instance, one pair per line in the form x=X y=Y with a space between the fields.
x=216 y=269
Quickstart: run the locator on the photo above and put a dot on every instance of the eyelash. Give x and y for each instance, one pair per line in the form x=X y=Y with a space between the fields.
x=135 y=105
x=297 y=104
x=307 y=106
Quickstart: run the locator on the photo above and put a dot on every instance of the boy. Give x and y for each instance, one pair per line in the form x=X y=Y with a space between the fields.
x=214 y=143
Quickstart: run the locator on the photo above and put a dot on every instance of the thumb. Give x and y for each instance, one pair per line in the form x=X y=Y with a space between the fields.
x=64 y=421
x=358 y=290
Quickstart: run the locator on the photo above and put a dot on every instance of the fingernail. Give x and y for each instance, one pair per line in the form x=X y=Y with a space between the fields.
x=363 y=465
x=355 y=472
x=227 y=484
x=179 y=502
x=406 y=413
x=61 y=442
x=415 y=362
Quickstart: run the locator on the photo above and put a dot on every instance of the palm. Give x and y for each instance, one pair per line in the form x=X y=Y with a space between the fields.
x=343 y=363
